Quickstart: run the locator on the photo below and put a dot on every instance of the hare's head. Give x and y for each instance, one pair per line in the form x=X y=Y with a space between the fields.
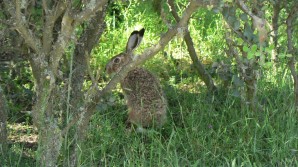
x=120 y=60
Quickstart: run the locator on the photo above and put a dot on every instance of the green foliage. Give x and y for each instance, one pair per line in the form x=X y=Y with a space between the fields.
x=17 y=82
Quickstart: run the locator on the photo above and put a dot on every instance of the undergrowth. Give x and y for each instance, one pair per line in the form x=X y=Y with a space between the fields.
x=201 y=130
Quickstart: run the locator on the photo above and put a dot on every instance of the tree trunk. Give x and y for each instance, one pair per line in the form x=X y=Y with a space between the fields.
x=291 y=50
x=3 y=128
x=251 y=89
x=44 y=118
x=204 y=75
x=86 y=43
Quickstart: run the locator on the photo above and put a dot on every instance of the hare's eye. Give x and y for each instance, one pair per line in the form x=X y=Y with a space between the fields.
x=117 y=60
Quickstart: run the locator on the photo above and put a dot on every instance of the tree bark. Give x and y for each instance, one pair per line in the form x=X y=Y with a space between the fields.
x=3 y=128
x=81 y=57
x=276 y=12
x=291 y=50
x=44 y=118
x=250 y=80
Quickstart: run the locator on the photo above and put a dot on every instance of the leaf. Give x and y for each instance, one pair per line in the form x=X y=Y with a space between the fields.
x=236 y=25
x=231 y=19
x=244 y=17
x=111 y=99
x=237 y=81
x=239 y=41
x=250 y=55
x=245 y=48
x=271 y=47
x=235 y=93
x=267 y=50
x=264 y=8
x=268 y=65
x=234 y=162
x=289 y=55
x=258 y=54
x=248 y=33
x=216 y=10
x=254 y=48
x=282 y=55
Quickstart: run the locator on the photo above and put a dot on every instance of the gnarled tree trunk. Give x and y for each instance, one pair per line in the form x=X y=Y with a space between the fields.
x=47 y=47
x=293 y=13
x=3 y=128
x=81 y=68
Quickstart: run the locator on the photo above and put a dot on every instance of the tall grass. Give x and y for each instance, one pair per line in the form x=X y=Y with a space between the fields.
x=200 y=132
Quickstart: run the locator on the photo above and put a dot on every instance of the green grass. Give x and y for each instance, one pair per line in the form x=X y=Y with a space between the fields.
x=202 y=130
x=199 y=132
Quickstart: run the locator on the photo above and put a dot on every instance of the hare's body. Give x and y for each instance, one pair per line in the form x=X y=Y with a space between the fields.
x=145 y=98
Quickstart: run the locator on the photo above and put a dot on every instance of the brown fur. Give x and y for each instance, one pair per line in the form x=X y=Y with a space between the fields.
x=145 y=98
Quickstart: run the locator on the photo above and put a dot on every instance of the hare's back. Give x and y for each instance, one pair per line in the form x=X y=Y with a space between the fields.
x=142 y=84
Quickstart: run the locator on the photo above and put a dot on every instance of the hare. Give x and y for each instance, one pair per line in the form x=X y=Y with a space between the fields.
x=143 y=93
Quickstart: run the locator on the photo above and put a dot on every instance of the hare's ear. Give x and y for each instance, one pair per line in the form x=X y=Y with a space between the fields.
x=134 y=40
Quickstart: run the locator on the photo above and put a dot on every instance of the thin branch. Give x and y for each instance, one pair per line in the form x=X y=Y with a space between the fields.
x=256 y=19
x=69 y=22
x=239 y=33
x=275 y=26
x=89 y=71
x=50 y=18
x=91 y=8
x=258 y=22
x=204 y=75
x=244 y=8
x=22 y=26
x=292 y=15
x=64 y=37
x=45 y=7
x=173 y=10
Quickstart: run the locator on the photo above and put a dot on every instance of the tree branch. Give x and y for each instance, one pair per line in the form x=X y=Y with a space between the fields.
x=91 y=8
x=192 y=52
x=276 y=11
x=69 y=22
x=258 y=22
x=50 y=18
x=244 y=8
x=22 y=26
x=292 y=15
x=291 y=63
